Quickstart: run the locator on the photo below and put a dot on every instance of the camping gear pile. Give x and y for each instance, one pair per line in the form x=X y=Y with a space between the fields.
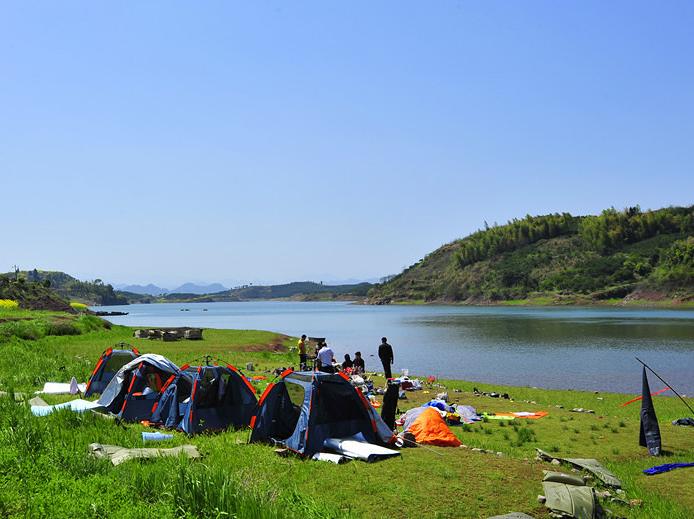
x=409 y=384
x=454 y=414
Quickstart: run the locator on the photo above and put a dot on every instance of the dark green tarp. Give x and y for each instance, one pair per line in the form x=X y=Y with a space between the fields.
x=589 y=464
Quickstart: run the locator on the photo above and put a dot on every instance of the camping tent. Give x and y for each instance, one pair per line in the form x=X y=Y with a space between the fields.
x=303 y=409
x=135 y=387
x=205 y=398
x=427 y=426
x=106 y=367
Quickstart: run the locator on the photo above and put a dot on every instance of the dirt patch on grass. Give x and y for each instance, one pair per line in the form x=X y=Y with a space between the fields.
x=646 y=294
x=13 y=319
x=277 y=345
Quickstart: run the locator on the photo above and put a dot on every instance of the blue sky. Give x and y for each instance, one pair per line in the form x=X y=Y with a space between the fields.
x=274 y=141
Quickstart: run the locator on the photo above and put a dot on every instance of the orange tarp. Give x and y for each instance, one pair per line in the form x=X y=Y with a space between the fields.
x=430 y=428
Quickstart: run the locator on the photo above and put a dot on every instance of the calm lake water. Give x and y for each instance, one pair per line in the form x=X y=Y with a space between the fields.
x=570 y=348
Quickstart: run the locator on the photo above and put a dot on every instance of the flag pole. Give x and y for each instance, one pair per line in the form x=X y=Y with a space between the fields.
x=668 y=385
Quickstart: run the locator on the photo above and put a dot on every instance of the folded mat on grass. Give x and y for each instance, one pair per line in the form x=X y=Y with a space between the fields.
x=361 y=450
x=667 y=467
x=38 y=401
x=337 y=459
x=118 y=454
x=63 y=388
x=589 y=464
x=78 y=406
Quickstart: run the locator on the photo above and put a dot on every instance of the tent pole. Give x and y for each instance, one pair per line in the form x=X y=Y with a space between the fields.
x=668 y=385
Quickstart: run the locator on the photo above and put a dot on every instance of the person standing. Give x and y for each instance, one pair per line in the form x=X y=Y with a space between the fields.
x=385 y=353
x=326 y=358
x=302 y=352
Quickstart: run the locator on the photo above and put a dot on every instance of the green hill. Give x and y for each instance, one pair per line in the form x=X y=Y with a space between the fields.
x=30 y=295
x=625 y=255
x=88 y=292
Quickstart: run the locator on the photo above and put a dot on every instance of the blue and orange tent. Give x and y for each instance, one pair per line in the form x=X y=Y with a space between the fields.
x=302 y=409
x=136 y=386
x=107 y=366
x=204 y=398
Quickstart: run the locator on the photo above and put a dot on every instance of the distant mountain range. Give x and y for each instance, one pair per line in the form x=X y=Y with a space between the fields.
x=186 y=288
x=192 y=288
x=149 y=290
x=298 y=290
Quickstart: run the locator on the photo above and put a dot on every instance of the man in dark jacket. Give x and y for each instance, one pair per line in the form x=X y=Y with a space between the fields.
x=385 y=353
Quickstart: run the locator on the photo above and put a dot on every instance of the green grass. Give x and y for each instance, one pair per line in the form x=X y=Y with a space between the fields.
x=45 y=469
x=34 y=325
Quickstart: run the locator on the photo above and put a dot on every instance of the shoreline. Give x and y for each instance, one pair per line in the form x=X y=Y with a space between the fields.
x=530 y=302
x=540 y=303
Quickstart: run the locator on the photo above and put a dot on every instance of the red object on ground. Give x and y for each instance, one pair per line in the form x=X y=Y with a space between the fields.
x=640 y=397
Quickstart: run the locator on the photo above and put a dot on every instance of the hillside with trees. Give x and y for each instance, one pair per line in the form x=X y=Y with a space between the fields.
x=31 y=295
x=628 y=255
x=88 y=292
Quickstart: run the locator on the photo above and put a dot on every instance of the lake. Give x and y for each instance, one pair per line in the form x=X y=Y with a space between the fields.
x=564 y=348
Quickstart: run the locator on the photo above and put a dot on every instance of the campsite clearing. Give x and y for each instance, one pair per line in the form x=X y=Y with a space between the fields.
x=46 y=469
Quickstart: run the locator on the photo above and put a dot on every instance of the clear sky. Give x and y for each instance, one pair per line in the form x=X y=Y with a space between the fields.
x=271 y=141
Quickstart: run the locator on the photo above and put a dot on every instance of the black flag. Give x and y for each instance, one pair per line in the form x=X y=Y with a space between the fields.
x=650 y=432
x=390 y=404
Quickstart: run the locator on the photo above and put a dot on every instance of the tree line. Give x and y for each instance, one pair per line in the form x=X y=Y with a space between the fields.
x=498 y=239
x=613 y=229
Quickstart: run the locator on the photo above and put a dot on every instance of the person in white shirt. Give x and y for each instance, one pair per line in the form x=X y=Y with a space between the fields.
x=326 y=357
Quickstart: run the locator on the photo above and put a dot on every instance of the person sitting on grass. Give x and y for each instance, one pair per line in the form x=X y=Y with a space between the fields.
x=358 y=363
x=348 y=362
x=326 y=358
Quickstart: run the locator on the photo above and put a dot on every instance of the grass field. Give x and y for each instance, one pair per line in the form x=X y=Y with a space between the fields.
x=45 y=470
